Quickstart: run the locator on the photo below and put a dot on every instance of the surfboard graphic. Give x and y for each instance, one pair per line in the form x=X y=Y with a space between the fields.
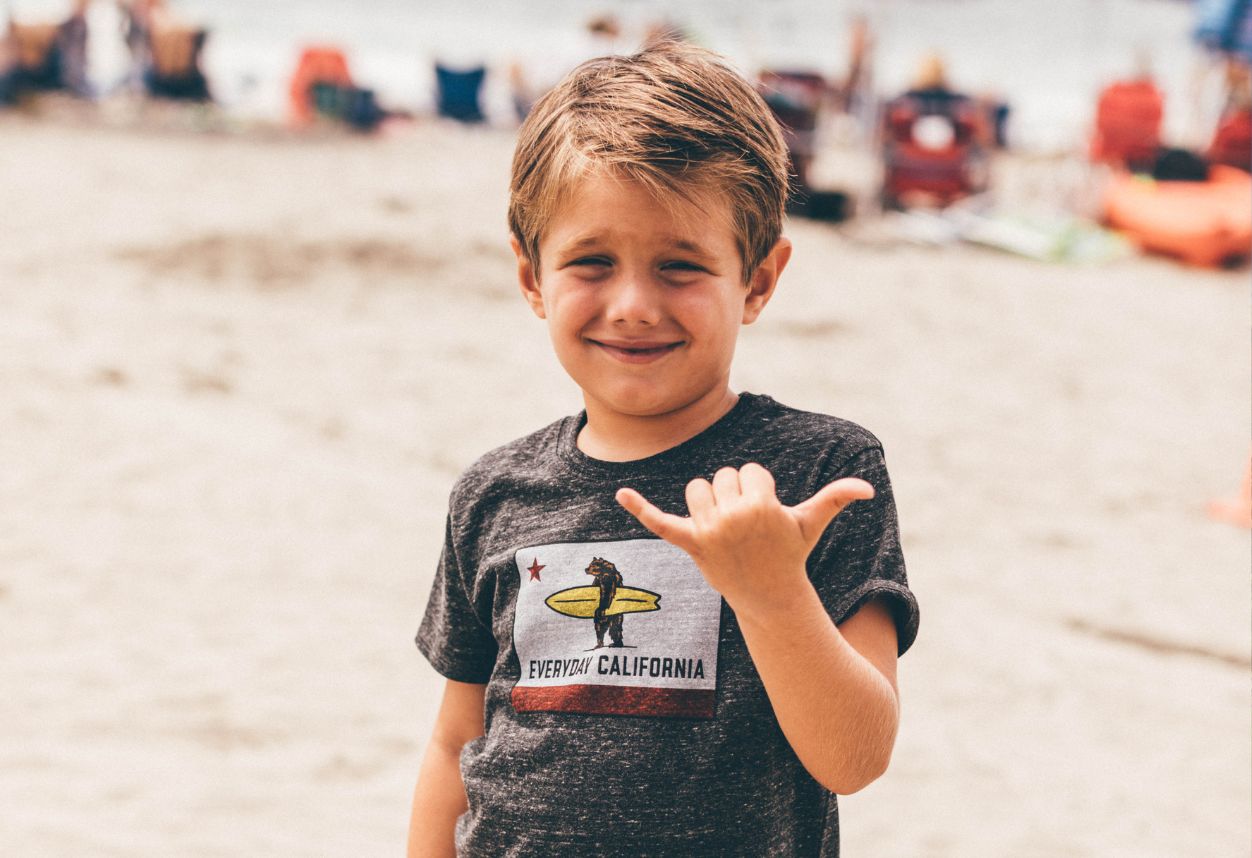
x=582 y=601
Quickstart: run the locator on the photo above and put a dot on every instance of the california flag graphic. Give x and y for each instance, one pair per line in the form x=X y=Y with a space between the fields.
x=615 y=628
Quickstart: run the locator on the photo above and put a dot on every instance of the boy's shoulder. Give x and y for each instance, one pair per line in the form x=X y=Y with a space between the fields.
x=794 y=429
x=529 y=455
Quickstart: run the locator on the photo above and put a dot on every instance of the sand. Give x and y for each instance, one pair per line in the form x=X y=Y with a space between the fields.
x=241 y=372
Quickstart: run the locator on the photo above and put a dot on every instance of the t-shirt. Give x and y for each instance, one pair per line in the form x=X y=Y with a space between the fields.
x=641 y=728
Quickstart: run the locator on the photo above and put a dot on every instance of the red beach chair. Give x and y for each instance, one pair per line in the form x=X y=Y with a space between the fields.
x=1128 y=124
x=931 y=150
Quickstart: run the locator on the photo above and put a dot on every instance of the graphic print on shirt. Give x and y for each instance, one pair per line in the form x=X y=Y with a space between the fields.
x=639 y=638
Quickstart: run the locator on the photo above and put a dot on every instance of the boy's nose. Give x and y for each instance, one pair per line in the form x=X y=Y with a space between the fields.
x=633 y=300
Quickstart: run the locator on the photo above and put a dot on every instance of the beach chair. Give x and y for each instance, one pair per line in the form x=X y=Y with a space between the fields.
x=323 y=86
x=457 y=92
x=931 y=150
x=319 y=66
x=1128 y=124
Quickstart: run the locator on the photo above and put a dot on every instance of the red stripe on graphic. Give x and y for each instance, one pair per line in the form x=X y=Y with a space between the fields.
x=617 y=700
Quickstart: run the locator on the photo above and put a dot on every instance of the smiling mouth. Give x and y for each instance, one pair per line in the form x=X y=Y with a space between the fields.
x=639 y=353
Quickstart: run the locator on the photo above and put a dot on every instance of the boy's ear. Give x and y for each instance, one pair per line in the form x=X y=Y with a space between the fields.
x=764 y=280
x=527 y=279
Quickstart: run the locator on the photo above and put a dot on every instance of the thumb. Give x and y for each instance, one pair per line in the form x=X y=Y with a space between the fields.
x=818 y=511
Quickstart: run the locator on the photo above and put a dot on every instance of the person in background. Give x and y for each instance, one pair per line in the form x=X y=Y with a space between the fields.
x=986 y=117
x=856 y=88
x=46 y=55
x=529 y=79
x=165 y=51
x=931 y=90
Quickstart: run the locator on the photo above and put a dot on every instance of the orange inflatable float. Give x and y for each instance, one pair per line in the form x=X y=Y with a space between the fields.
x=1238 y=509
x=1202 y=223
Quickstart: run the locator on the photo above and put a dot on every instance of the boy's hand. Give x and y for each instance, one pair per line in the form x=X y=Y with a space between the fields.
x=748 y=545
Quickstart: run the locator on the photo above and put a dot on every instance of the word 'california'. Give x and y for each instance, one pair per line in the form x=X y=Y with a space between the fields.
x=617 y=665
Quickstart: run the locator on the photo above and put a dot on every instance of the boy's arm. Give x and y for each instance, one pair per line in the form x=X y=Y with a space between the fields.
x=440 y=795
x=832 y=689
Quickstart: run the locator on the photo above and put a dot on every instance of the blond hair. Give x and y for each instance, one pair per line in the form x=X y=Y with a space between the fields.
x=675 y=118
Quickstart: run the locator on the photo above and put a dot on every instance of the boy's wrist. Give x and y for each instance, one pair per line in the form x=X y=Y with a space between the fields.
x=793 y=596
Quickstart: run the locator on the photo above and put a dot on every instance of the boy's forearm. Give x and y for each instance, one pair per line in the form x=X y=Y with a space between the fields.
x=837 y=710
x=437 y=802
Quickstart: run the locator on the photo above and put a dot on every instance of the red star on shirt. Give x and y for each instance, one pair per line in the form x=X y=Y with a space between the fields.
x=535 y=566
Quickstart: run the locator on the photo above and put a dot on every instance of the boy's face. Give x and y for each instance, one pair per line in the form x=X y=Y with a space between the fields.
x=643 y=300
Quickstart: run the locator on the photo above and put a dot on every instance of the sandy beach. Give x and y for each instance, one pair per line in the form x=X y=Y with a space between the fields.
x=241 y=373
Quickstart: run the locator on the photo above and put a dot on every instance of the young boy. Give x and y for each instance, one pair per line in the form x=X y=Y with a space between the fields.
x=662 y=632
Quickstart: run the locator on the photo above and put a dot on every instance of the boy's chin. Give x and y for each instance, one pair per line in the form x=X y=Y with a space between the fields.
x=642 y=403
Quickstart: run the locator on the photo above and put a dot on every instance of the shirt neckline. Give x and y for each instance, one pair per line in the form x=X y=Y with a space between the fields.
x=725 y=427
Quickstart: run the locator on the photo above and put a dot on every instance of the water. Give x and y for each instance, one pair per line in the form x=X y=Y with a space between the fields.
x=1047 y=57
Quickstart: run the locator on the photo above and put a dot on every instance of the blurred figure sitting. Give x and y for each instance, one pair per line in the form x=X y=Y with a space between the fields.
x=601 y=36
x=931 y=90
x=933 y=149
x=986 y=115
x=36 y=58
x=49 y=56
x=165 y=51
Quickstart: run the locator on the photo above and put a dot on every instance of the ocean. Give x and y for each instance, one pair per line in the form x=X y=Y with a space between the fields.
x=1046 y=58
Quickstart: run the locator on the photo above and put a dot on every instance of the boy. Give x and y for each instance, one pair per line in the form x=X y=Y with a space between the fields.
x=756 y=676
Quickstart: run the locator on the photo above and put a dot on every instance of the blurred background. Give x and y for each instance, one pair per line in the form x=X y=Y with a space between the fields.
x=258 y=311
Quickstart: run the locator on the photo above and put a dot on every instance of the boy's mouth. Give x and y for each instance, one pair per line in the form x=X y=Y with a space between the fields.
x=635 y=351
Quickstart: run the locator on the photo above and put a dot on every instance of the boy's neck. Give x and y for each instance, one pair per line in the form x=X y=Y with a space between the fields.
x=612 y=436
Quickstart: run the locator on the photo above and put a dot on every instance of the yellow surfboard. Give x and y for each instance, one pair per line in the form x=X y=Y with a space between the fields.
x=582 y=601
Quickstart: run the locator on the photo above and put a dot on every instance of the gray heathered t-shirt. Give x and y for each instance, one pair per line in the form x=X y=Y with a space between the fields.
x=624 y=715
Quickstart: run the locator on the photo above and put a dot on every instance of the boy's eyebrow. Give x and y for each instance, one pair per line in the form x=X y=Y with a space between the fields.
x=585 y=241
x=673 y=242
x=690 y=247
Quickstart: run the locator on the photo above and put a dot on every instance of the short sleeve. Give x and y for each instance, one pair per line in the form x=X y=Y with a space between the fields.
x=858 y=557
x=456 y=642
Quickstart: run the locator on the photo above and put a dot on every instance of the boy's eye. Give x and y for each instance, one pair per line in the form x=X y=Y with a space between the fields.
x=590 y=261
x=682 y=266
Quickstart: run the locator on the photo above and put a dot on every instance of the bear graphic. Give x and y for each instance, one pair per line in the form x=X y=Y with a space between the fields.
x=608 y=579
